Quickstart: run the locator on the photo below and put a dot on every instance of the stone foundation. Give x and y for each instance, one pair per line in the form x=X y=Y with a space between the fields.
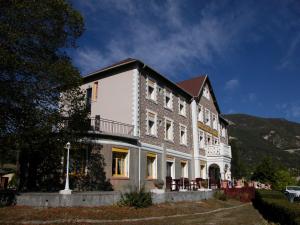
x=92 y=199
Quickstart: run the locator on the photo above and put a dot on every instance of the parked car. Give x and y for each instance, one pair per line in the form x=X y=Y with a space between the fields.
x=292 y=193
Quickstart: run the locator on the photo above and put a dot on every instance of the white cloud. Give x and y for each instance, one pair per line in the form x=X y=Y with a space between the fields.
x=167 y=40
x=290 y=56
x=232 y=84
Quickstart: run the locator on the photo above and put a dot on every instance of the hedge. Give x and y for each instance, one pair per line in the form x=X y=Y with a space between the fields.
x=7 y=197
x=274 y=206
x=245 y=194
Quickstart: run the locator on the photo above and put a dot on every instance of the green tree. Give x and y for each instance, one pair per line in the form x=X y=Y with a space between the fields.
x=35 y=70
x=276 y=175
x=283 y=178
x=265 y=171
x=238 y=168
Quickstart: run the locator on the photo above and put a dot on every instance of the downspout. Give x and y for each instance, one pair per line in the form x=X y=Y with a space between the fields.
x=139 y=91
x=139 y=168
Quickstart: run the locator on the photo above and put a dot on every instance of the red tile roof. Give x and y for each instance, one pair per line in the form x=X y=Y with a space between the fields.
x=193 y=86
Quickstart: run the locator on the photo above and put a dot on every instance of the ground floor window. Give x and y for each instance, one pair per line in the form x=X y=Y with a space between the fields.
x=170 y=168
x=184 y=168
x=120 y=162
x=151 y=165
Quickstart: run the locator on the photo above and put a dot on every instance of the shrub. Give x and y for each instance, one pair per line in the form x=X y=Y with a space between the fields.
x=136 y=198
x=245 y=194
x=220 y=195
x=275 y=207
x=7 y=197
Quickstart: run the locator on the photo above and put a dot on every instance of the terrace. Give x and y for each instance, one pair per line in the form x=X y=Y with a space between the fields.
x=100 y=125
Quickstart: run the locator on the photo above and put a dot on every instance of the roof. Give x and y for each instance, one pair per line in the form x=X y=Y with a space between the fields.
x=191 y=87
x=131 y=61
x=194 y=85
x=120 y=63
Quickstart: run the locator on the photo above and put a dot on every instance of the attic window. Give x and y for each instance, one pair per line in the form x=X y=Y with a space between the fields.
x=207 y=117
x=206 y=93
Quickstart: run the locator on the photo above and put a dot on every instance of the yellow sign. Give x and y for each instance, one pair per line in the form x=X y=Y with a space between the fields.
x=208 y=129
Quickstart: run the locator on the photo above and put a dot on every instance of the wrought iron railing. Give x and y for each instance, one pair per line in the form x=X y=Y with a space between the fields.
x=106 y=126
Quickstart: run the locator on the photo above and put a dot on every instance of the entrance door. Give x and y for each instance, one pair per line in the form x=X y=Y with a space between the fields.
x=214 y=176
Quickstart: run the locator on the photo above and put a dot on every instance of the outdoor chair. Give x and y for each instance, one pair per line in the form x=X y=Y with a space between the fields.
x=198 y=183
x=169 y=183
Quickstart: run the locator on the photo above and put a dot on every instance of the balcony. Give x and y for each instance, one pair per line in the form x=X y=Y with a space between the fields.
x=111 y=127
x=218 y=150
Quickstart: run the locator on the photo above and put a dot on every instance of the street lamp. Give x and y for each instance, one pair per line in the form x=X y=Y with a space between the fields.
x=67 y=190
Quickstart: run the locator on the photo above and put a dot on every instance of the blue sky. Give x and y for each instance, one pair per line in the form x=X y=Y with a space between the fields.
x=249 y=49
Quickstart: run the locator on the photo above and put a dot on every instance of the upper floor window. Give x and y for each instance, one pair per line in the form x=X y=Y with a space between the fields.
x=216 y=141
x=201 y=138
x=151 y=165
x=182 y=107
x=151 y=89
x=200 y=113
x=120 y=162
x=214 y=121
x=151 y=123
x=169 y=129
x=207 y=117
x=223 y=131
x=183 y=134
x=95 y=91
x=208 y=139
x=88 y=98
x=206 y=92
x=168 y=99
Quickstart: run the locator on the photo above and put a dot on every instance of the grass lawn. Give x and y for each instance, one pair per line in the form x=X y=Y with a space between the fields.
x=230 y=212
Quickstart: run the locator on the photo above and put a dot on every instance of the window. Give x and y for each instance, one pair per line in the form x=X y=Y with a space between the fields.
x=168 y=99
x=215 y=121
x=170 y=167
x=201 y=139
x=88 y=99
x=120 y=162
x=183 y=134
x=95 y=91
x=151 y=165
x=206 y=92
x=151 y=90
x=168 y=129
x=207 y=117
x=208 y=139
x=184 y=168
x=200 y=113
x=151 y=123
x=223 y=131
x=216 y=141
x=182 y=107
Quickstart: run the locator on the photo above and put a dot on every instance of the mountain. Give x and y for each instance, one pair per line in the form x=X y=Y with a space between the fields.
x=258 y=138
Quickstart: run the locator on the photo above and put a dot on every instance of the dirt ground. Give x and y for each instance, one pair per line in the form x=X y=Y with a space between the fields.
x=206 y=212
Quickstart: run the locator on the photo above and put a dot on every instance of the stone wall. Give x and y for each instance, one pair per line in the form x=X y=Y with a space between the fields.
x=158 y=107
x=93 y=199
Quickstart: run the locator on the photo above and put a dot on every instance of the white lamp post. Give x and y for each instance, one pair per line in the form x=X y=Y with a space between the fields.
x=67 y=190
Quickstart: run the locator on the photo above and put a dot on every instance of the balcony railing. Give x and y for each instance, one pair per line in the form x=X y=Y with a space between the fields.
x=218 y=150
x=105 y=126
